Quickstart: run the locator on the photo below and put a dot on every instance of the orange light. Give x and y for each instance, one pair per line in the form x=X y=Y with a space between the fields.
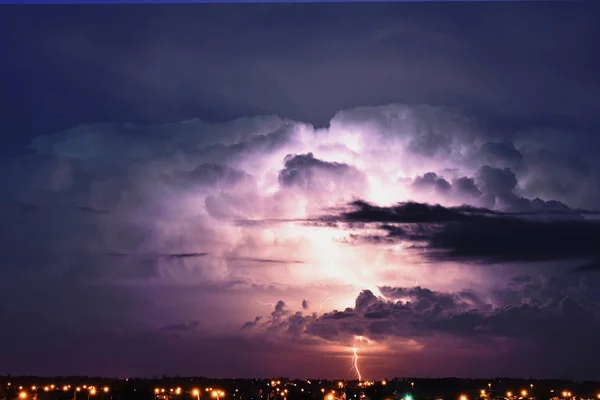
x=156 y=391
x=65 y=388
x=196 y=392
x=509 y=394
x=78 y=389
x=106 y=389
x=93 y=391
x=33 y=388
x=463 y=397
x=46 y=388
x=178 y=390
x=23 y=395
x=524 y=393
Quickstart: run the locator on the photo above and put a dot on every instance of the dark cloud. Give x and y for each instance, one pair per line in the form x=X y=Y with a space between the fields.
x=533 y=312
x=251 y=324
x=466 y=186
x=503 y=155
x=432 y=180
x=480 y=235
x=304 y=171
x=496 y=182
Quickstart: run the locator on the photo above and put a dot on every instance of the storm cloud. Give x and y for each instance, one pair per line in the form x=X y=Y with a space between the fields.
x=424 y=176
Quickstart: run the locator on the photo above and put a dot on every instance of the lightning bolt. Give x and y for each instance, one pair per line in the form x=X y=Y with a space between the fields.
x=323 y=303
x=355 y=364
x=266 y=304
x=355 y=360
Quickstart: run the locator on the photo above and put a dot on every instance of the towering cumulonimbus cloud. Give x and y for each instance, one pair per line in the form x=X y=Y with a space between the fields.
x=410 y=225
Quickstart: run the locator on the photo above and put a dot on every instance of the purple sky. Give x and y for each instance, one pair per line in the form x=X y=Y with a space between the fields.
x=249 y=190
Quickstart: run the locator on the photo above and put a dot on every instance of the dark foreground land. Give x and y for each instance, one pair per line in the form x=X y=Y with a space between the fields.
x=89 y=388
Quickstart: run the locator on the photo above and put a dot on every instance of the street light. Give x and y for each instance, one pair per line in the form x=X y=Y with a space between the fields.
x=509 y=395
x=196 y=393
x=523 y=393
x=23 y=395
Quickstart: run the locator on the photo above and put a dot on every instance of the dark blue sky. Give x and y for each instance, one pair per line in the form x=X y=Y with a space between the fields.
x=512 y=64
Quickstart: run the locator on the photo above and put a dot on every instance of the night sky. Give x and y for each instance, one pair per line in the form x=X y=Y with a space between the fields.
x=255 y=190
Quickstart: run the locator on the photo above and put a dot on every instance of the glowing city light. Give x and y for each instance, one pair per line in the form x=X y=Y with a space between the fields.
x=23 y=395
